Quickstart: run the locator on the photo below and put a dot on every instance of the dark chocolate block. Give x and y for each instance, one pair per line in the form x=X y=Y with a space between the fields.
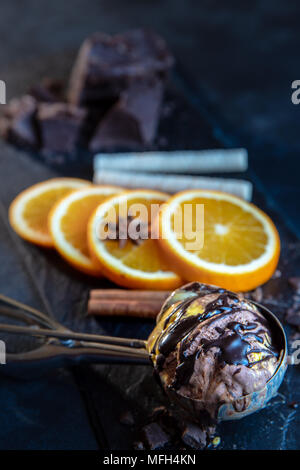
x=60 y=125
x=194 y=437
x=17 y=125
x=106 y=64
x=155 y=436
x=94 y=115
x=131 y=123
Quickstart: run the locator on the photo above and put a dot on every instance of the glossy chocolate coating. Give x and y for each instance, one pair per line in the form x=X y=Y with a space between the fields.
x=193 y=312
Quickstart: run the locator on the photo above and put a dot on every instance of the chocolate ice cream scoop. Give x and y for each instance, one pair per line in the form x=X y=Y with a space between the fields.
x=215 y=348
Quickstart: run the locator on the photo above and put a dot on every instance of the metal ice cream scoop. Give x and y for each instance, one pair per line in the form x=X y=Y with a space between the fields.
x=59 y=347
x=183 y=315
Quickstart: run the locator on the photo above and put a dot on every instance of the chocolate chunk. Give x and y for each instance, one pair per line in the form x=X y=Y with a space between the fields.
x=132 y=121
x=106 y=64
x=18 y=122
x=49 y=91
x=169 y=421
x=60 y=125
x=94 y=115
x=127 y=418
x=295 y=283
x=194 y=437
x=155 y=436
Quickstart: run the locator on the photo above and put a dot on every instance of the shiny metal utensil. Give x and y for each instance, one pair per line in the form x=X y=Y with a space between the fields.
x=61 y=346
x=255 y=401
x=64 y=347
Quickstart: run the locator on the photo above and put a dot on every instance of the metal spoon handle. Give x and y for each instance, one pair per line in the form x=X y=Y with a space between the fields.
x=72 y=335
x=62 y=346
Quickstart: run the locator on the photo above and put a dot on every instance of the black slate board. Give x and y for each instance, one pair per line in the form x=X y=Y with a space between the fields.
x=241 y=59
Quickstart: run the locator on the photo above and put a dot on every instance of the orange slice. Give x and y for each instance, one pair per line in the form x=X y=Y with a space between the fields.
x=28 y=213
x=130 y=262
x=240 y=248
x=68 y=222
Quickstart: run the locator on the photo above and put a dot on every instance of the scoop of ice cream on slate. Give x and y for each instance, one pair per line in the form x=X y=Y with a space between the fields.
x=212 y=345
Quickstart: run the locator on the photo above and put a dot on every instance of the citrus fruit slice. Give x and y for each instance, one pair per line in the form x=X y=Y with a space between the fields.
x=68 y=222
x=28 y=213
x=119 y=237
x=239 y=248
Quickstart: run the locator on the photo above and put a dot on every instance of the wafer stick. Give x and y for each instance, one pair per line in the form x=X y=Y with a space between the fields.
x=183 y=161
x=173 y=183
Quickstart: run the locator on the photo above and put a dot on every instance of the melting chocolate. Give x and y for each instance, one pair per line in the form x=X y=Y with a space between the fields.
x=184 y=371
x=234 y=349
x=176 y=332
x=182 y=326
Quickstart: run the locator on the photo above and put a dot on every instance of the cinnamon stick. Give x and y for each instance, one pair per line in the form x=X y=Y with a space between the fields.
x=123 y=307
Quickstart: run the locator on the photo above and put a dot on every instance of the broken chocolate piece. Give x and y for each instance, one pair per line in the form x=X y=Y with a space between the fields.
x=106 y=64
x=132 y=121
x=194 y=437
x=127 y=419
x=94 y=115
x=155 y=436
x=169 y=421
x=18 y=122
x=60 y=125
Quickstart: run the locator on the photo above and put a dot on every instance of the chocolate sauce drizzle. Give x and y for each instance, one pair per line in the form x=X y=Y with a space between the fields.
x=233 y=347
